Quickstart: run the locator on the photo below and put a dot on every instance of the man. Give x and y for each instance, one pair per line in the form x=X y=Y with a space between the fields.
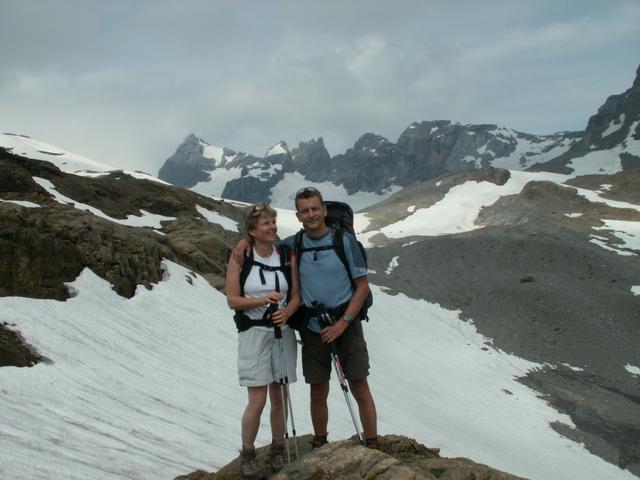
x=325 y=280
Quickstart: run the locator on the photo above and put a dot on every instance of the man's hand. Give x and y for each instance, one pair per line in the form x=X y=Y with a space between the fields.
x=243 y=248
x=331 y=333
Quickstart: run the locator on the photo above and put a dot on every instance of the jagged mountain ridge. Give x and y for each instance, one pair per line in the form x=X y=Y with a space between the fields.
x=424 y=150
x=374 y=164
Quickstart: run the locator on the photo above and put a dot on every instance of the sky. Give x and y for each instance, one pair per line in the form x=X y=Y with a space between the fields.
x=124 y=82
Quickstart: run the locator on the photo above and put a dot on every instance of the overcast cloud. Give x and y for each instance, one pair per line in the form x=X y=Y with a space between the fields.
x=124 y=82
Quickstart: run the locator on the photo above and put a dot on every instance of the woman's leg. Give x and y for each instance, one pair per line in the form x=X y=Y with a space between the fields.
x=277 y=412
x=251 y=417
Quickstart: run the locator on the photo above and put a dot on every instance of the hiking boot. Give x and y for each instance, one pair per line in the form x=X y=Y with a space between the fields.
x=249 y=467
x=318 y=441
x=372 y=443
x=276 y=456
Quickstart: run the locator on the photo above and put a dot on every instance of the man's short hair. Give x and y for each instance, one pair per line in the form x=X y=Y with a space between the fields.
x=308 y=192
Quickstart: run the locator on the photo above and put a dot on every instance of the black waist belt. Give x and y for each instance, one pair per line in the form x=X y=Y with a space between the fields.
x=335 y=312
x=244 y=323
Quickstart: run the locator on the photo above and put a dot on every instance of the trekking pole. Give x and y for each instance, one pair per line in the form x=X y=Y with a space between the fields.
x=284 y=385
x=324 y=316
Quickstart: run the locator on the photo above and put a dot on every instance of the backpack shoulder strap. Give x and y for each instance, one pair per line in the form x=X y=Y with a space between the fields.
x=338 y=244
x=245 y=270
x=297 y=246
x=285 y=266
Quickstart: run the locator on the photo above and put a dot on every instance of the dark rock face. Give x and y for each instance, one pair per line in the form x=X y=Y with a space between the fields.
x=616 y=120
x=14 y=350
x=399 y=458
x=42 y=248
x=187 y=166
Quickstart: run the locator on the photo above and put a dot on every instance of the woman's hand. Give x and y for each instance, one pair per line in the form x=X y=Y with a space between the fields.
x=272 y=297
x=279 y=317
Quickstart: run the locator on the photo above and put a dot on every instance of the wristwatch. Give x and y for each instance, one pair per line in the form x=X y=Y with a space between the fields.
x=347 y=317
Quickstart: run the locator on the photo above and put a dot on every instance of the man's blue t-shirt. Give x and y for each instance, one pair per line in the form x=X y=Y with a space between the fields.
x=323 y=277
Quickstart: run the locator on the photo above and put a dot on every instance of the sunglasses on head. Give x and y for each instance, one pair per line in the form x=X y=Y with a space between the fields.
x=257 y=209
x=305 y=191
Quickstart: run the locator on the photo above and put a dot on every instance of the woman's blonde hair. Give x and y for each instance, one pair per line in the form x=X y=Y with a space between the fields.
x=253 y=213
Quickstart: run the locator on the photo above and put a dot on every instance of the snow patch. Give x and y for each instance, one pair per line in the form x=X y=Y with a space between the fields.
x=628 y=232
x=283 y=194
x=392 y=266
x=573 y=215
x=633 y=370
x=635 y=290
x=212 y=152
x=22 y=203
x=37 y=150
x=575 y=369
x=146 y=219
x=411 y=208
x=276 y=150
x=217 y=218
x=614 y=126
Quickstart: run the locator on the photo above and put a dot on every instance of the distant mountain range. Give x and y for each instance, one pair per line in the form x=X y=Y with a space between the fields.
x=424 y=150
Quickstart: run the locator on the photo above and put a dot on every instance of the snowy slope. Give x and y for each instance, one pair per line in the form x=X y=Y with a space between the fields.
x=64 y=160
x=147 y=388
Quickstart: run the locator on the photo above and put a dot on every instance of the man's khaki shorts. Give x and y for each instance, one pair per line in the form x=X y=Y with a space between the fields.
x=352 y=351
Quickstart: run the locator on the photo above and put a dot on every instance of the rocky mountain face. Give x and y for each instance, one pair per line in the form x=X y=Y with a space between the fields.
x=44 y=247
x=399 y=458
x=425 y=150
x=612 y=128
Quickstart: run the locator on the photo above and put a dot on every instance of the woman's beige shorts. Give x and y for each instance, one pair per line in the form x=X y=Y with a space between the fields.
x=258 y=357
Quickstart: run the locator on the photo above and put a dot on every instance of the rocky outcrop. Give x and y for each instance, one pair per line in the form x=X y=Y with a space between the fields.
x=617 y=121
x=399 y=458
x=42 y=248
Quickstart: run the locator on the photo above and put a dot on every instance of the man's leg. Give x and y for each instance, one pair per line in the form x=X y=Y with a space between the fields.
x=319 y=411
x=366 y=407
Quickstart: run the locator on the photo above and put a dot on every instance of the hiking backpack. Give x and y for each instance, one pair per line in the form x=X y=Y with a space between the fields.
x=340 y=219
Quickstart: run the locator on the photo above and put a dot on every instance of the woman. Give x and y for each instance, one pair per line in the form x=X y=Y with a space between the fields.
x=260 y=301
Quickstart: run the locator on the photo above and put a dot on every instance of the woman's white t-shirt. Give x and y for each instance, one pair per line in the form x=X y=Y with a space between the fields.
x=253 y=287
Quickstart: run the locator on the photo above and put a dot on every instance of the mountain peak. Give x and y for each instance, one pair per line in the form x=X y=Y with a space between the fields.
x=279 y=148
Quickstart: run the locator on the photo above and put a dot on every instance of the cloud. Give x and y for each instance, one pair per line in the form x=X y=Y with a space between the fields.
x=125 y=82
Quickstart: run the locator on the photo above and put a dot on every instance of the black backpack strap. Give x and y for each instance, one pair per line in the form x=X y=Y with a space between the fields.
x=297 y=247
x=338 y=244
x=285 y=264
x=245 y=270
